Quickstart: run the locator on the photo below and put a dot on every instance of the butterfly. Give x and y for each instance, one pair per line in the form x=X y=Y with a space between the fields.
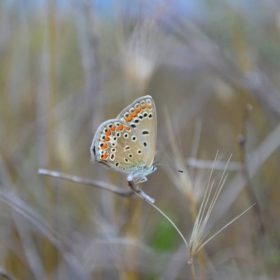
x=128 y=142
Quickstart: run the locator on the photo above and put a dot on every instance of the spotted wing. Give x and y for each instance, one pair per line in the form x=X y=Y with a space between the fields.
x=116 y=144
x=141 y=117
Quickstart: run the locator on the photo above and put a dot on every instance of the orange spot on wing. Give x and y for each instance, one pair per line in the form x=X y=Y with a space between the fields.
x=108 y=132
x=104 y=146
x=138 y=109
x=105 y=156
x=106 y=139
x=113 y=128
x=150 y=106
x=127 y=127
x=134 y=114
x=120 y=127
x=143 y=106
x=128 y=119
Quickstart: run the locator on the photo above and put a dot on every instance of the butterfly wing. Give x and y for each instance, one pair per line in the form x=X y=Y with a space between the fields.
x=141 y=117
x=116 y=144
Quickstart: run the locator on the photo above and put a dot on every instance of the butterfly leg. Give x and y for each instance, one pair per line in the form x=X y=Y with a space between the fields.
x=142 y=180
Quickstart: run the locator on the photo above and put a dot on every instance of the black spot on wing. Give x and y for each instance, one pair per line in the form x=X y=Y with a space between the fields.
x=145 y=132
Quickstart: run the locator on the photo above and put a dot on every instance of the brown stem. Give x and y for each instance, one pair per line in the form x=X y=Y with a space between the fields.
x=85 y=181
x=134 y=187
x=193 y=271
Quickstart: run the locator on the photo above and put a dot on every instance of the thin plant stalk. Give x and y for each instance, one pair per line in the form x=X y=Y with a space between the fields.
x=229 y=223
x=50 y=256
x=185 y=183
x=108 y=187
x=135 y=189
x=167 y=218
x=197 y=241
x=85 y=181
x=193 y=271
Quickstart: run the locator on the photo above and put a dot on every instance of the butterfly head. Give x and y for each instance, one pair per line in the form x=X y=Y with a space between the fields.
x=139 y=176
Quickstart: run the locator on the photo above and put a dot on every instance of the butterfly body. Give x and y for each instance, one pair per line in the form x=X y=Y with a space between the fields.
x=127 y=143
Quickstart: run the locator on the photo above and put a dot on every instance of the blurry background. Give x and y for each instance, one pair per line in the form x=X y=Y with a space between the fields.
x=67 y=66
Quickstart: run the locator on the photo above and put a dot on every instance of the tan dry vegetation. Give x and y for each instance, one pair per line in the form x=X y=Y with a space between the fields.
x=65 y=68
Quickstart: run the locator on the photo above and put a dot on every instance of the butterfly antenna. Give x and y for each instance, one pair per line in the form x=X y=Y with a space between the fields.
x=170 y=167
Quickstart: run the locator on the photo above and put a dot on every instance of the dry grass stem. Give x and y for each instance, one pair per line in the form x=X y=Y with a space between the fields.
x=68 y=66
x=85 y=181
x=197 y=241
